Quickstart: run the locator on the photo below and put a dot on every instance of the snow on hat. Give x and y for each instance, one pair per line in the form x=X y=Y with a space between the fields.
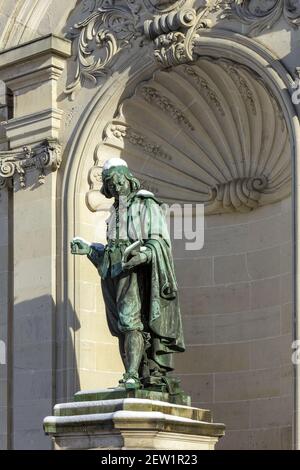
x=113 y=162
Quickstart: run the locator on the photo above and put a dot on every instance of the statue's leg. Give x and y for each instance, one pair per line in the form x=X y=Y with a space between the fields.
x=129 y=310
x=111 y=309
x=134 y=350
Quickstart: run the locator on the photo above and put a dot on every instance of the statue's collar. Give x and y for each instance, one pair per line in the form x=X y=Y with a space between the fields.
x=130 y=198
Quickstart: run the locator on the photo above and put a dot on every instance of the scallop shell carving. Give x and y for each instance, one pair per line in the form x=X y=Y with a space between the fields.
x=209 y=132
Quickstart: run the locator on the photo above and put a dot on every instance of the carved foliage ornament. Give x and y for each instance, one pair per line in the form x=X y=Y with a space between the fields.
x=159 y=6
x=46 y=156
x=260 y=15
x=98 y=39
x=163 y=5
x=110 y=26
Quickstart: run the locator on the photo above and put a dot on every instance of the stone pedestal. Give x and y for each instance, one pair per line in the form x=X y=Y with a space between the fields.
x=116 y=419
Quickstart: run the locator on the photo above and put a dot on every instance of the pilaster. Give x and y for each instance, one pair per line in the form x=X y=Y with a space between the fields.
x=31 y=72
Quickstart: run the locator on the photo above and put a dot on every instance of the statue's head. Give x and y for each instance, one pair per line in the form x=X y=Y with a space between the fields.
x=117 y=179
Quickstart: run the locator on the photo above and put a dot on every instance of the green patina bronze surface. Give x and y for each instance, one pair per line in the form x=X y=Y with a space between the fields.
x=121 y=392
x=139 y=290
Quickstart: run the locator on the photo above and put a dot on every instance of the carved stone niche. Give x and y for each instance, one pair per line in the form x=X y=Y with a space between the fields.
x=209 y=132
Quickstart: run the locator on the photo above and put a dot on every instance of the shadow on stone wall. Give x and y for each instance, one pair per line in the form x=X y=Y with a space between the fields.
x=42 y=340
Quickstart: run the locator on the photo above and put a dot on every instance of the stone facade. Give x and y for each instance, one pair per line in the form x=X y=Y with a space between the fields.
x=197 y=96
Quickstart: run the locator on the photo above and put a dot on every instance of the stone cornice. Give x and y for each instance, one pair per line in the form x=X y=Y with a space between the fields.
x=37 y=64
x=52 y=44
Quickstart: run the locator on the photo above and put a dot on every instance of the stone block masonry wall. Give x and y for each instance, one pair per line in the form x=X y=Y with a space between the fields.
x=4 y=326
x=236 y=298
x=34 y=312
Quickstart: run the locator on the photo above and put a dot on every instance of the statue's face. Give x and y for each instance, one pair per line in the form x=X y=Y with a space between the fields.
x=118 y=185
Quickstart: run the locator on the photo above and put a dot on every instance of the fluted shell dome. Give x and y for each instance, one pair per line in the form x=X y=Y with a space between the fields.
x=209 y=132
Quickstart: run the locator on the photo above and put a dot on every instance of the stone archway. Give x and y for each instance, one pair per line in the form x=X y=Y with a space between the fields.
x=269 y=86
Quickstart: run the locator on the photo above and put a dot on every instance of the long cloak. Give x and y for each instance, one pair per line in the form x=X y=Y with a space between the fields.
x=160 y=304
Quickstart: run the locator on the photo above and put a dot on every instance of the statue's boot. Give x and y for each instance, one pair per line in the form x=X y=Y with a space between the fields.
x=134 y=350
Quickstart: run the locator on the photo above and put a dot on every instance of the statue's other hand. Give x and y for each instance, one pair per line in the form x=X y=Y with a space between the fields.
x=136 y=260
x=79 y=246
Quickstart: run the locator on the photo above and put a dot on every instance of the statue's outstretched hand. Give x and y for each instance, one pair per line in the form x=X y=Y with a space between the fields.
x=79 y=246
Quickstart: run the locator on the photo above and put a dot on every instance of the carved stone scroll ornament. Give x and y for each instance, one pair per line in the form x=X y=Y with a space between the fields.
x=261 y=15
x=161 y=6
x=174 y=35
x=109 y=26
x=153 y=6
x=113 y=25
x=99 y=38
x=95 y=183
x=170 y=22
x=46 y=156
x=240 y=195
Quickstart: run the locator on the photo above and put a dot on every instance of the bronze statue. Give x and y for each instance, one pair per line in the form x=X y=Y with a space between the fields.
x=138 y=281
